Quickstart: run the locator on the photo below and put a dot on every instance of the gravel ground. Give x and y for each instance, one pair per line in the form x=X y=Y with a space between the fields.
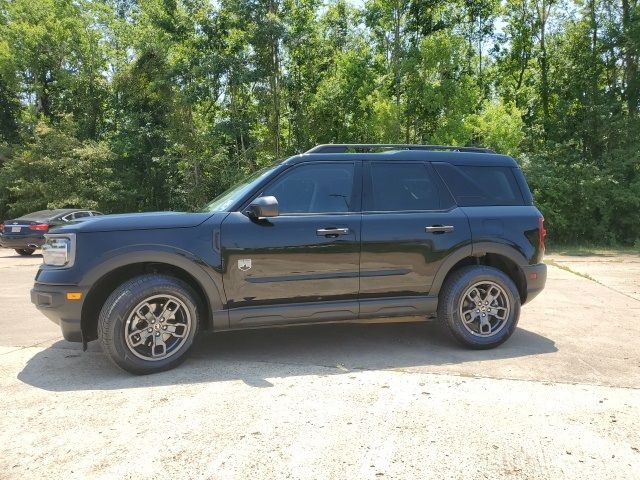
x=559 y=400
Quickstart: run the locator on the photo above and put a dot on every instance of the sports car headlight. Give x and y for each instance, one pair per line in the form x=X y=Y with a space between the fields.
x=59 y=250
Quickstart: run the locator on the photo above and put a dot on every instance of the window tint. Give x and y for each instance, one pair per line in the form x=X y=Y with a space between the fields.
x=314 y=188
x=402 y=186
x=81 y=214
x=481 y=186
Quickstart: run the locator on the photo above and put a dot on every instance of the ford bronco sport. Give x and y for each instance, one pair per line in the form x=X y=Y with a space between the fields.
x=341 y=233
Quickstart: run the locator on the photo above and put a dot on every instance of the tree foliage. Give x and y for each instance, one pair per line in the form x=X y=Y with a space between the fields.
x=132 y=105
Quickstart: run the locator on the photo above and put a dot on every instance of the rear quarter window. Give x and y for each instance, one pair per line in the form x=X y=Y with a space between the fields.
x=477 y=186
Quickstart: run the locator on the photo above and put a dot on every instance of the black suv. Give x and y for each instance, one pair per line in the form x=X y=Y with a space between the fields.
x=341 y=233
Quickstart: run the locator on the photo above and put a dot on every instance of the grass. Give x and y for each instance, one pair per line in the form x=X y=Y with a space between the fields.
x=595 y=250
x=549 y=261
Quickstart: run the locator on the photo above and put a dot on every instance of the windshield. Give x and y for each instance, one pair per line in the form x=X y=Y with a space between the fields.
x=222 y=202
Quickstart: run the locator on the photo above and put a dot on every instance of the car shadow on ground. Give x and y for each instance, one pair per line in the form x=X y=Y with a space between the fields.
x=5 y=253
x=255 y=356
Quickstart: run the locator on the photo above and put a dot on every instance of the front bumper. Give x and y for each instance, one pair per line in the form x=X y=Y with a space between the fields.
x=536 y=278
x=52 y=301
x=21 y=241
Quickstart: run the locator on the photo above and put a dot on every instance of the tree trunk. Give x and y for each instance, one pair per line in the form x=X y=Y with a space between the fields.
x=275 y=84
x=632 y=83
x=543 y=8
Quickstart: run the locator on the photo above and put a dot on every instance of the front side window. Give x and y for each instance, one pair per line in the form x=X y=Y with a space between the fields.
x=314 y=188
x=223 y=202
x=399 y=187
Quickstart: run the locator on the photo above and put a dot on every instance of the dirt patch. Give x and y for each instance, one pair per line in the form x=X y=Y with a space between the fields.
x=620 y=272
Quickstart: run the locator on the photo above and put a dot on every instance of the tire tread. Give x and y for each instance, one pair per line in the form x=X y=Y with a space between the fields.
x=110 y=306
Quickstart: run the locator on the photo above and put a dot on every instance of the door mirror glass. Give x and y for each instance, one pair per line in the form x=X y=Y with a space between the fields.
x=263 y=207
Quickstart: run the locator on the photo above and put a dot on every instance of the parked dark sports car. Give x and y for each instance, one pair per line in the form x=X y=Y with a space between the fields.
x=26 y=233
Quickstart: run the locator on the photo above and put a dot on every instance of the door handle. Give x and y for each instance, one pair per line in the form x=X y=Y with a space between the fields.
x=439 y=229
x=327 y=232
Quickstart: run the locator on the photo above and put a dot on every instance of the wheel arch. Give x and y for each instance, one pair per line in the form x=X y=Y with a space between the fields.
x=504 y=258
x=103 y=279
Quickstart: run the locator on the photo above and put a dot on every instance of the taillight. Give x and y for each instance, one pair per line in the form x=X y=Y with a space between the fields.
x=542 y=232
x=40 y=227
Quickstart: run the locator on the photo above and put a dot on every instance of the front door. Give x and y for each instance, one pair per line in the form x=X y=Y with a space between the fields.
x=303 y=265
x=409 y=226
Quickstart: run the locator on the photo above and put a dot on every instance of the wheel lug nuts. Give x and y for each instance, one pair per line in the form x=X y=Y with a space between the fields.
x=164 y=327
x=149 y=330
x=157 y=334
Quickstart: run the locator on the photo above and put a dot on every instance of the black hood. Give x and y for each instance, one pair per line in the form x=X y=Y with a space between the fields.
x=135 y=221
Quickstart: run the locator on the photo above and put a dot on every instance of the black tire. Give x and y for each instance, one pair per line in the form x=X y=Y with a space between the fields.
x=453 y=299
x=117 y=319
x=25 y=252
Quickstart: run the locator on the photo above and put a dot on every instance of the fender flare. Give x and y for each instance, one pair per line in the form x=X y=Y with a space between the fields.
x=476 y=250
x=509 y=251
x=153 y=253
x=446 y=266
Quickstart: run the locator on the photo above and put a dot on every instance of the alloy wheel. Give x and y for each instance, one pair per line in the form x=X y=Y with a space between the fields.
x=485 y=309
x=157 y=327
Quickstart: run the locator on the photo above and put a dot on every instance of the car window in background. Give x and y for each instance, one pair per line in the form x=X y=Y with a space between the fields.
x=81 y=215
x=222 y=202
x=481 y=186
x=402 y=186
x=314 y=188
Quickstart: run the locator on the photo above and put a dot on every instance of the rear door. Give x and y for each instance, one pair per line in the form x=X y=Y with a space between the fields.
x=410 y=224
x=303 y=265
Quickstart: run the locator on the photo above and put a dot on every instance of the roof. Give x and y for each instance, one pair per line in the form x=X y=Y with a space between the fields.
x=368 y=147
x=48 y=214
x=420 y=153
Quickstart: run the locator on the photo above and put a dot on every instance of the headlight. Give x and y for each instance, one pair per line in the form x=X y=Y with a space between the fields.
x=59 y=250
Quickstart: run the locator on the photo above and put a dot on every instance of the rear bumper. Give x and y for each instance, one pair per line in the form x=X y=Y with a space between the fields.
x=536 y=278
x=19 y=241
x=52 y=301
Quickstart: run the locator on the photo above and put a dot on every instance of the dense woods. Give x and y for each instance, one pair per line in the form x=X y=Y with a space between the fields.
x=125 y=105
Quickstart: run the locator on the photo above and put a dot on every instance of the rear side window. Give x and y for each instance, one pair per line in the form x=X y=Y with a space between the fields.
x=481 y=186
x=402 y=186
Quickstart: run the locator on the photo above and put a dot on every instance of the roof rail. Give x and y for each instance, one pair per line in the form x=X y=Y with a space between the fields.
x=344 y=147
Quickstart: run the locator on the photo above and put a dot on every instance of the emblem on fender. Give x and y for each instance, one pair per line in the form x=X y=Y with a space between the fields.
x=244 y=264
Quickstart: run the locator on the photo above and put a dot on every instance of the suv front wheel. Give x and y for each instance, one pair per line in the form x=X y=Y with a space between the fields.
x=479 y=306
x=149 y=323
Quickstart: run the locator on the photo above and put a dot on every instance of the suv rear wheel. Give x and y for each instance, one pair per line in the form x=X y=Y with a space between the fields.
x=149 y=324
x=479 y=306
x=25 y=252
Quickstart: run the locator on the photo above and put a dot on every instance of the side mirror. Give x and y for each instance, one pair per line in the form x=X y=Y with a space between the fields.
x=263 y=207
